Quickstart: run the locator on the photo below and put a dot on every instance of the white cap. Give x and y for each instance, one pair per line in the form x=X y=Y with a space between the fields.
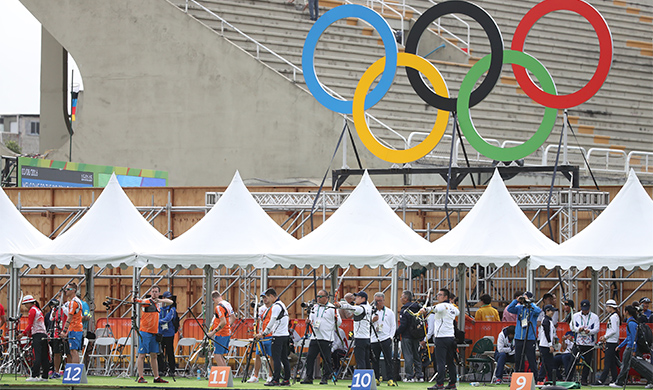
x=611 y=303
x=28 y=299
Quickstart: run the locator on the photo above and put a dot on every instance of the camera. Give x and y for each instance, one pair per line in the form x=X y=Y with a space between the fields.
x=523 y=300
x=308 y=305
x=14 y=319
x=54 y=303
x=252 y=304
x=107 y=304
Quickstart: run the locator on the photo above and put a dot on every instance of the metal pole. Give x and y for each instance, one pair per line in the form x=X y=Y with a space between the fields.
x=565 y=161
x=530 y=279
x=594 y=298
x=264 y=280
x=334 y=280
x=89 y=276
x=344 y=149
x=394 y=289
x=136 y=281
x=462 y=268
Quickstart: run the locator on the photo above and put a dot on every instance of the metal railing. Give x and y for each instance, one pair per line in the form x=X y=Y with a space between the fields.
x=607 y=159
x=644 y=159
x=295 y=69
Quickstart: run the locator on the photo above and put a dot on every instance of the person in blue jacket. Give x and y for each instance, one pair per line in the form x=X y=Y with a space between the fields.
x=167 y=330
x=525 y=331
x=630 y=312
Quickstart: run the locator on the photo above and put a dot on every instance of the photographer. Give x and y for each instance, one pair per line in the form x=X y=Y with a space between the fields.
x=586 y=325
x=36 y=329
x=383 y=320
x=525 y=332
x=362 y=317
x=323 y=323
x=168 y=331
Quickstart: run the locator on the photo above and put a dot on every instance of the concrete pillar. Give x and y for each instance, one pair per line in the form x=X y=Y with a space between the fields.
x=462 y=278
x=54 y=94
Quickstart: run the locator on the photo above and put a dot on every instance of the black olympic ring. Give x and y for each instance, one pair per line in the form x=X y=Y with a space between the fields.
x=496 y=50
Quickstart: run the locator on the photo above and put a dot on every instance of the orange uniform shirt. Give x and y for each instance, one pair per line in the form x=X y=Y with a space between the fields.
x=149 y=316
x=221 y=312
x=75 y=310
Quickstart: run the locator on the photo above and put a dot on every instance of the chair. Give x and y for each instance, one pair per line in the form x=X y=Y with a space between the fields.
x=120 y=356
x=183 y=352
x=234 y=353
x=101 y=355
x=480 y=361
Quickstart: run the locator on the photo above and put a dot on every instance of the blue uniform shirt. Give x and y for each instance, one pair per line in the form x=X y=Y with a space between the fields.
x=530 y=312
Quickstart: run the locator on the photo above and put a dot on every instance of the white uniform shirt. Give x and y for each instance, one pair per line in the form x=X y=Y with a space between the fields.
x=612 y=329
x=589 y=321
x=323 y=319
x=504 y=344
x=339 y=342
x=554 y=319
x=543 y=333
x=278 y=327
x=361 y=327
x=430 y=327
x=385 y=325
x=445 y=314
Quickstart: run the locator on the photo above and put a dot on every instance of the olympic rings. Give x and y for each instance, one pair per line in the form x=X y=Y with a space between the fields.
x=605 y=59
x=372 y=144
x=465 y=120
x=467 y=98
x=496 y=49
x=308 y=65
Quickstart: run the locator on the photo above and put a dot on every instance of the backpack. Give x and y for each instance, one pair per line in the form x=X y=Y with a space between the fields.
x=175 y=322
x=644 y=338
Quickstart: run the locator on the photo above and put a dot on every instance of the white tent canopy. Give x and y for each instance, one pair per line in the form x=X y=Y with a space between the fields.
x=495 y=231
x=364 y=231
x=17 y=234
x=236 y=231
x=110 y=234
x=622 y=236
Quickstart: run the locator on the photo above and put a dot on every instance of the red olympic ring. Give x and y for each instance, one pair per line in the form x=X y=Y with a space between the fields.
x=605 y=59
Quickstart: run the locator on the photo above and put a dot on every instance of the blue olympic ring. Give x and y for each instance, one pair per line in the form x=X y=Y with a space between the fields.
x=308 y=65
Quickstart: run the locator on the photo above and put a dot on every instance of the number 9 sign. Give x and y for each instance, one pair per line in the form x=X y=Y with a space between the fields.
x=522 y=381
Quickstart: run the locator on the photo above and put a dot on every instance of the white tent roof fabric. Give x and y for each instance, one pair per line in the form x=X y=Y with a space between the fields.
x=364 y=231
x=17 y=235
x=621 y=236
x=236 y=231
x=495 y=231
x=110 y=234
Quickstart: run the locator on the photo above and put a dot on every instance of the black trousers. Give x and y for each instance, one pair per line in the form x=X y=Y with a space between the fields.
x=41 y=363
x=587 y=354
x=362 y=353
x=548 y=363
x=625 y=366
x=445 y=351
x=520 y=363
x=384 y=346
x=280 y=358
x=610 y=365
x=323 y=348
x=167 y=352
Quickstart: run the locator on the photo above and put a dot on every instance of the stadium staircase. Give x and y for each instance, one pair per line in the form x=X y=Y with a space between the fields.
x=615 y=122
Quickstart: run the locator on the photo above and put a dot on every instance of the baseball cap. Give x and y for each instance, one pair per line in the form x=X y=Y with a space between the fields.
x=549 y=307
x=585 y=304
x=361 y=294
x=528 y=295
x=166 y=294
x=645 y=300
x=28 y=299
x=569 y=302
x=611 y=303
x=569 y=333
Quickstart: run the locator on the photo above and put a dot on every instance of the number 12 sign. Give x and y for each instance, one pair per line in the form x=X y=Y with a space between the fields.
x=221 y=377
x=74 y=374
x=522 y=381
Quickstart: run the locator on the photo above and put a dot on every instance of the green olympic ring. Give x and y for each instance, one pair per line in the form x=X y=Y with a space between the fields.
x=465 y=119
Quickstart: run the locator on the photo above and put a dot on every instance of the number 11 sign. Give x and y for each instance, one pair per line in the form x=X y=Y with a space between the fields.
x=522 y=381
x=221 y=377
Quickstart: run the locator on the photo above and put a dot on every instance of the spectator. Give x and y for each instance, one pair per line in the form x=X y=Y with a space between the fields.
x=586 y=325
x=508 y=316
x=646 y=313
x=630 y=313
x=547 y=339
x=168 y=331
x=505 y=352
x=487 y=312
x=548 y=299
x=565 y=358
x=611 y=340
x=314 y=9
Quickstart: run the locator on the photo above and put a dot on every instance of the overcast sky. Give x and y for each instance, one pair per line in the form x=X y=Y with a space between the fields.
x=20 y=62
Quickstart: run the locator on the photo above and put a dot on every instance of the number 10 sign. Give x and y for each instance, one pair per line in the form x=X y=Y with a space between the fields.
x=363 y=380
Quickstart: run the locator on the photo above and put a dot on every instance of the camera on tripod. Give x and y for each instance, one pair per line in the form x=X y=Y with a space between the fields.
x=107 y=304
x=253 y=304
x=523 y=300
x=54 y=303
x=308 y=305
x=14 y=319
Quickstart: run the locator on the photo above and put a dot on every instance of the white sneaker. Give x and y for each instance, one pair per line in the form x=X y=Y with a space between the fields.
x=268 y=380
x=32 y=379
x=615 y=385
x=649 y=386
x=252 y=379
x=43 y=379
x=420 y=380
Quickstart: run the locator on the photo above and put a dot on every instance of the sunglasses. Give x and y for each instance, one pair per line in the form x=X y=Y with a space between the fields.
x=70 y=289
x=322 y=296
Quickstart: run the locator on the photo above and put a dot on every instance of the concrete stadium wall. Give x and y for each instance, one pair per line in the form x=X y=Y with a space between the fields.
x=164 y=92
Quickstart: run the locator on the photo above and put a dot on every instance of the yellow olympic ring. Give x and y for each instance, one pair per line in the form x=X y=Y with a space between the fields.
x=373 y=145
